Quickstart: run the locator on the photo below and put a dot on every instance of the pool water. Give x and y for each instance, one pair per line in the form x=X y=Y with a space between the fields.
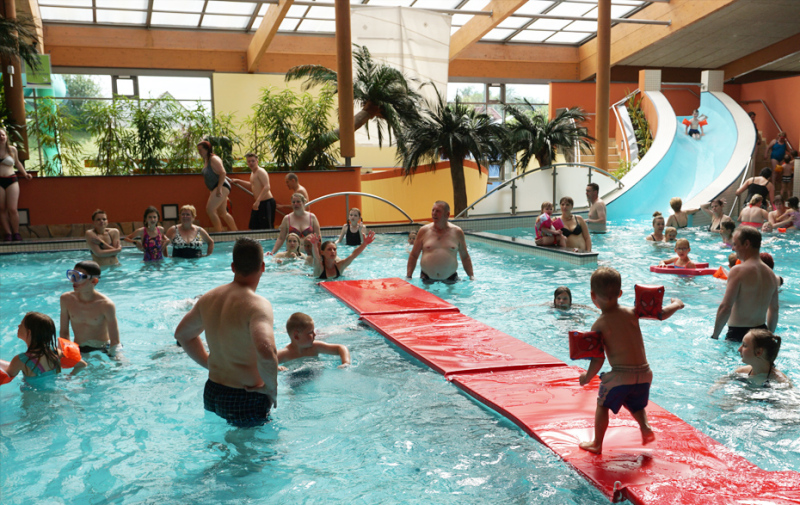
x=386 y=430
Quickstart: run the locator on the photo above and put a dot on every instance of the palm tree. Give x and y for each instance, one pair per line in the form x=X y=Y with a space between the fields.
x=382 y=92
x=451 y=131
x=532 y=136
x=18 y=39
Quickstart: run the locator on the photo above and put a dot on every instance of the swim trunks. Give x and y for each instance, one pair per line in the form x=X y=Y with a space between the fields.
x=85 y=349
x=243 y=409
x=627 y=386
x=426 y=279
x=694 y=132
x=264 y=217
x=737 y=333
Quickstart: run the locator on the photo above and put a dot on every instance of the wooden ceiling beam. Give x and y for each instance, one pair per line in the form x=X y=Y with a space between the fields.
x=479 y=26
x=31 y=9
x=629 y=39
x=266 y=32
x=761 y=58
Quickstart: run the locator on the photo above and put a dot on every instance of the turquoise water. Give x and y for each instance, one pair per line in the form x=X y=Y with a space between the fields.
x=387 y=430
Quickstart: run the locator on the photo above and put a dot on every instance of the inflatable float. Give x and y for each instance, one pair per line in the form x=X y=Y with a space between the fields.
x=699 y=269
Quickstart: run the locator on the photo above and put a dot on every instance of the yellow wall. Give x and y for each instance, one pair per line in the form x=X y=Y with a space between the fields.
x=416 y=194
x=236 y=93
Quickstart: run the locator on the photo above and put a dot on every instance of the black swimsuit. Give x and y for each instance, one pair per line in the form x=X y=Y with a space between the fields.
x=351 y=238
x=575 y=231
x=324 y=275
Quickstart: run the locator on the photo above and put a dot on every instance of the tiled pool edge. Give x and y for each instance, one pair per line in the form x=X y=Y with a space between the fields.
x=530 y=247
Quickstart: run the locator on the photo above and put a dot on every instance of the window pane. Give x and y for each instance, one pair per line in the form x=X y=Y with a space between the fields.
x=179 y=88
x=66 y=14
x=216 y=7
x=468 y=92
x=215 y=21
x=122 y=17
x=193 y=6
x=531 y=36
x=171 y=19
x=534 y=93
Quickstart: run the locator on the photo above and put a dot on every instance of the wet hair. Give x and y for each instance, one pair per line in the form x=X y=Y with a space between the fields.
x=768 y=260
x=355 y=209
x=606 y=282
x=444 y=205
x=756 y=200
x=545 y=204
x=205 y=144
x=43 y=338
x=770 y=343
x=676 y=204
x=766 y=173
x=301 y=196
x=299 y=241
x=149 y=210
x=248 y=256
x=566 y=199
x=727 y=224
x=594 y=186
x=90 y=267
x=298 y=322
x=751 y=235
x=98 y=211
x=190 y=208
x=793 y=202
x=657 y=215
x=669 y=230
x=732 y=259
x=560 y=291
x=719 y=202
x=251 y=155
x=292 y=176
x=681 y=242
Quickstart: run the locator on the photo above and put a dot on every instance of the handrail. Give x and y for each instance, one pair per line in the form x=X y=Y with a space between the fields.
x=348 y=193
x=230 y=181
x=632 y=93
x=538 y=169
x=626 y=145
x=762 y=102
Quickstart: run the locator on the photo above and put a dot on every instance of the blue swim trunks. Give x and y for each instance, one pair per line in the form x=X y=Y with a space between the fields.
x=627 y=386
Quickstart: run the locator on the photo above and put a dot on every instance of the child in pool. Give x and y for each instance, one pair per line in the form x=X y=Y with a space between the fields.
x=300 y=328
x=628 y=382
x=726 y=229
x=292 y=249
x=733 y=258
x=412 y=236
x=308 y=250
x=353 y=230
x=670 y=234
x=759 y=350
x=562 y=300
x=694 y=126
x=682 y=260
x=151 y=238
x=43 y=357
x=548 y=231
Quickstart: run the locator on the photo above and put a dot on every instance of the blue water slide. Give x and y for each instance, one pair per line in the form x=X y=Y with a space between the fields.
x=678 y=165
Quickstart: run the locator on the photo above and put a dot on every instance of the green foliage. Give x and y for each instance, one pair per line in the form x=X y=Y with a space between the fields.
x=152 y=122
x=81 y=86
x=52 y=123
x=623 y=168
x=18 y=39
x=223 y=137
x=107 y=122
x=641 y=127
x=531 y=135
x=285 y=127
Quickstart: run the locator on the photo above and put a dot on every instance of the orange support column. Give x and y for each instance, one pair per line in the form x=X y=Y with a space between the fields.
x=344 y=70
x=603 y=82
x=12 y=84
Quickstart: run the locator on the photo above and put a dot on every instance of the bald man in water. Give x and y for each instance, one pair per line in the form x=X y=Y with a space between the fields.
x=440 y=244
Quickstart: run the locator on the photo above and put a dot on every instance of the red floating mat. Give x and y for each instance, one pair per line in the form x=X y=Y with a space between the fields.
x=450 y=342
x=701 y=269
x=682 y=466
x=386 y=296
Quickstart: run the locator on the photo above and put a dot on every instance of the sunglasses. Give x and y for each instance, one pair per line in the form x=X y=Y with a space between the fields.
x=77 y=276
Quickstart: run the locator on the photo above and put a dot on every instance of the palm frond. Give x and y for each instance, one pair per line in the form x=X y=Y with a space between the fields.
x=315 y=75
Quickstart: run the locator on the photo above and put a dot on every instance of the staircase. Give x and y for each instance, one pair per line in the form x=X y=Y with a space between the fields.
x=613 y=157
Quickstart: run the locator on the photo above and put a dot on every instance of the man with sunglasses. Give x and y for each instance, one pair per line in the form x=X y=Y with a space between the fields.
x=92 y=315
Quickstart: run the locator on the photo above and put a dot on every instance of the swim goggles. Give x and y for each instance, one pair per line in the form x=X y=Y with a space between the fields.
x=78 y=276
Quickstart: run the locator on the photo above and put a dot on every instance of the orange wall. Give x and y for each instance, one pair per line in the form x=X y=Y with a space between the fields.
x=783 y=99
x=68 y=200
x=582 y=94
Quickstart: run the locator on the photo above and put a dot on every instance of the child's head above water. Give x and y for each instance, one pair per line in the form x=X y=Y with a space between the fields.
x=300 y=328
x=606 y=284
x=670 y=234
x=732 y=259
x=547 y=208
x=763 y=346
x=293 y=243
x=562 y=298
x=39 y=331
x=682 y=245
x=412 y=236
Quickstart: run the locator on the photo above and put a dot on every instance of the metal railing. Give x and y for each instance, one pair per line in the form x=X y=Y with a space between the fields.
x=554 y=167
x=347 y=194
x=626 y=148
x=762 y=102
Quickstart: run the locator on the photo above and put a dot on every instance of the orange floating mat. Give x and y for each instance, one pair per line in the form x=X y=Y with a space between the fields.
x=386 y=296
x=450 y=342
x=683 y=465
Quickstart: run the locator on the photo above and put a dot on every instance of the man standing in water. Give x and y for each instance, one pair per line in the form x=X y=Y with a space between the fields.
x=751 y=296
x=597 y=209
x=242 y=360
x=103 y=242
x=439 y=242
x=262 y=217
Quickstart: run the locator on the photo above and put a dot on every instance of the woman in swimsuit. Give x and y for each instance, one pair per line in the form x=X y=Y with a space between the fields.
x=292 y=251
x=658 y=228
x=326 y=264
x=298 y=221
x=759 y=185
x=753 y=215
x=353 y=230
x=216 y=180
x=575 y=229
x=680 y=218
x=187 y=238
x=9 y=188
x=43 y=357
x=759 y=350
x=714 y=210
x=150 y=238
x=791 y=219
x=775 y=152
